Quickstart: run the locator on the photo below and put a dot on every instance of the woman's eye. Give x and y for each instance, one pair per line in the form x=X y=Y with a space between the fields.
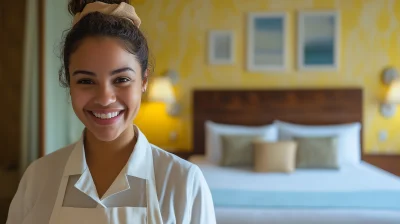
x=85 y=81
x=122 y=80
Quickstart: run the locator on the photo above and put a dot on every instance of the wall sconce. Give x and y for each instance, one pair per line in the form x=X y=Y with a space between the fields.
x=392 y=96
x=161 y=90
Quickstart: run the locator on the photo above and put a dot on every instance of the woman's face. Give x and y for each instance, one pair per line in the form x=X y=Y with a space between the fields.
x=105 y=86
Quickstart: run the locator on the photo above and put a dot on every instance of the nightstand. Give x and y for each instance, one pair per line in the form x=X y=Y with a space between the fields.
x=390 y=163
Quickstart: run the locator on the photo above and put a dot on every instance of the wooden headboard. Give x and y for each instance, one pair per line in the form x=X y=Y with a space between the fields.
x=259 y=107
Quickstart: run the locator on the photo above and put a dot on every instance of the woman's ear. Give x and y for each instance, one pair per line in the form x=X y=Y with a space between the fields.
x=145 y=81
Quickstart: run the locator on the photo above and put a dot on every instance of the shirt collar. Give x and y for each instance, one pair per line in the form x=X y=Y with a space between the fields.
x=137 y=164
x=77 y=160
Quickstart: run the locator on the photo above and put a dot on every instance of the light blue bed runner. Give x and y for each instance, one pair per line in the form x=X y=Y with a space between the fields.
x=276 y=199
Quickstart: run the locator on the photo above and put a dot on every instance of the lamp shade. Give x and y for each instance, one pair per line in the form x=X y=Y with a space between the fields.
x=393 y=94
x=161 y=90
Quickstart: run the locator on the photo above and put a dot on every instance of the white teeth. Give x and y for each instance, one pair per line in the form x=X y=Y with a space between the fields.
x=106 y=116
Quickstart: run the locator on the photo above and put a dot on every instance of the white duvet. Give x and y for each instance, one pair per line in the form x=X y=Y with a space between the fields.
x=356 y=177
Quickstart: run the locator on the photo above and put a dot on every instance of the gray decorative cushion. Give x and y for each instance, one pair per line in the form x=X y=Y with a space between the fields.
x=317 y=152
x=237 y=150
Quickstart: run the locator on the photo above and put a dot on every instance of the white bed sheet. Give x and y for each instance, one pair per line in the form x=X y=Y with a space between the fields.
x=357 y=177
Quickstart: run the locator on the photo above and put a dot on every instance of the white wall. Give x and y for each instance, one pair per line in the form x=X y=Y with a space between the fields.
x=30 y=90
x=62 y=126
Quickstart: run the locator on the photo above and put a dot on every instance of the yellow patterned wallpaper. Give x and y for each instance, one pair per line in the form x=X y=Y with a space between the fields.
x=177 y=33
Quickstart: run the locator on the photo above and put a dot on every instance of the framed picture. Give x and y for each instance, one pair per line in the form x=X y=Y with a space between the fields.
x=221 y=47
x=267 y=42
x=318 y=40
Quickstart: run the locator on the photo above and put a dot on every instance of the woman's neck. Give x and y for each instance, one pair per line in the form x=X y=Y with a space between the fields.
x=105 y=160
x=100 y=150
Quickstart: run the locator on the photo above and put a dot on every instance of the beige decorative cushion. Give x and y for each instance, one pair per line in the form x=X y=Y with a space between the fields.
x=317 y=152
x=275 y=156
x=237 y=150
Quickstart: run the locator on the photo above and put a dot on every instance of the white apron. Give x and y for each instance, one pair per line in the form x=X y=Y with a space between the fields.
x=113 y=215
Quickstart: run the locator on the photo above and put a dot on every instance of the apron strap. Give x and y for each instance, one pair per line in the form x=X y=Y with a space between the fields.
x=153 y=206
x=59 y=200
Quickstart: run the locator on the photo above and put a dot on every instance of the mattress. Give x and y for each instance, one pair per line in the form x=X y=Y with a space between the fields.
x=355 y=192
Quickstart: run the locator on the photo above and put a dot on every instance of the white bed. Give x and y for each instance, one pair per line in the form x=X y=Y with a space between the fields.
x=353 y=192
x=349 y=179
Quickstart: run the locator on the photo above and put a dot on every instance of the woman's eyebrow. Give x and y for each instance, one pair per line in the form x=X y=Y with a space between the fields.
x=120 y=70
x=83 y=72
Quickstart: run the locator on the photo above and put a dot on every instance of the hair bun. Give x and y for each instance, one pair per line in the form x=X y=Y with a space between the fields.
x=77 y=6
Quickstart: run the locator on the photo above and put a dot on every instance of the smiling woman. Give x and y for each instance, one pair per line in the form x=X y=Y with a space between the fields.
x=112 y=174
x=106 y=80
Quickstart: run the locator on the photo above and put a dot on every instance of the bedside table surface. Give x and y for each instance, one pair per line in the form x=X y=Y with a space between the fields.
x=390 y=163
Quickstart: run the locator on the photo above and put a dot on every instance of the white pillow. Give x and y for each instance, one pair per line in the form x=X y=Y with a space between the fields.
x=213 y=132
x=349 y=145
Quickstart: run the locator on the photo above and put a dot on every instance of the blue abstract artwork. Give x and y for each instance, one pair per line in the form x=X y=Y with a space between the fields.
x=318 y=40
x=268 y=41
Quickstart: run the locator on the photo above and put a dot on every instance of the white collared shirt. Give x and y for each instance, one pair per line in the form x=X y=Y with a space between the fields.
x=182 y=192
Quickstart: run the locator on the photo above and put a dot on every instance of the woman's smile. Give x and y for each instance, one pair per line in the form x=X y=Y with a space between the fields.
x=102 y=117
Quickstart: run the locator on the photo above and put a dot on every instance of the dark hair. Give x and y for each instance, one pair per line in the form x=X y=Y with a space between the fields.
x=98 y=25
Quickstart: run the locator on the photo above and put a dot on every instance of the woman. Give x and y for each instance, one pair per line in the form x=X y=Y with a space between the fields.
x=112 y=174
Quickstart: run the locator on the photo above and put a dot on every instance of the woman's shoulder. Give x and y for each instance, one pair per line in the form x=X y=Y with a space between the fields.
x=54 y=158
x=172 y=166
x=161 y=155
x=40 y=176
x=50 y=164
x=164 y=155
x=182 y=183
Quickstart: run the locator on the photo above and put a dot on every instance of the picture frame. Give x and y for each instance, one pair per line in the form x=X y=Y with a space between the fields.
x=318 y=40
x=221 y=48
x=267 y=43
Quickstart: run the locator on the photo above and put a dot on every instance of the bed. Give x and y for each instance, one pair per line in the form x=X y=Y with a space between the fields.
x=356 y=193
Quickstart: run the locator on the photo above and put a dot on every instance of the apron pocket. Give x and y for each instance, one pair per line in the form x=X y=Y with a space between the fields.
x=128 y=215
x=70 y=215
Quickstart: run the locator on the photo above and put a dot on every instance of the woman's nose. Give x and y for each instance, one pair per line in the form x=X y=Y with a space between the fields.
x=105 y=95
